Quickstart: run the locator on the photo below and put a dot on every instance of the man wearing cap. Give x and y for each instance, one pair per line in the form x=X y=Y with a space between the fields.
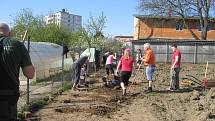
x=175 y=68
x=13 y=55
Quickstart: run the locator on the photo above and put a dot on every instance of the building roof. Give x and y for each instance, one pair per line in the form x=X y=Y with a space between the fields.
x=167 y=17
x=123 y=36
x=162 y=41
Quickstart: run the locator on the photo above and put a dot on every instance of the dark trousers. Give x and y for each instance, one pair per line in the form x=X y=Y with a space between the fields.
x=174 y=82
x=8 y=111
x=76 y=72
x=109 y=68
x=124 y=77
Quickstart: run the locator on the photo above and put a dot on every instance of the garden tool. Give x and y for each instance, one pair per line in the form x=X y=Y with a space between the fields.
x=135 y=77
x=205 y=81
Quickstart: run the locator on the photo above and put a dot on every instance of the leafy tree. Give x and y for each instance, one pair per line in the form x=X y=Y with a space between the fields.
x=89 y=36
x=25 y=20
x=112 y=45
x=51 y=33
x=183 y=8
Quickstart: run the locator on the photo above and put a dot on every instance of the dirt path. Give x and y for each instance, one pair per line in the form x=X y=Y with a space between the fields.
x=38 y=91
x=107 y=104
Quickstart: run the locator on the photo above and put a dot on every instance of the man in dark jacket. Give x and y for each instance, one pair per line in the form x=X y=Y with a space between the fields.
x=13 y=56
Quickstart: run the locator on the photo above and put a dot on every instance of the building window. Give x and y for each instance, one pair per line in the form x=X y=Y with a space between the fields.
x=179 y=26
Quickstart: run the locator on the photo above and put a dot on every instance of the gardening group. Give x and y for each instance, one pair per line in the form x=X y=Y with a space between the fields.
x=127 y=64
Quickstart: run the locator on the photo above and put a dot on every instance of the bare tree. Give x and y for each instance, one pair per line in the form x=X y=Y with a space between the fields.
x=96 y=26
x=92 y=33
x=182 y=8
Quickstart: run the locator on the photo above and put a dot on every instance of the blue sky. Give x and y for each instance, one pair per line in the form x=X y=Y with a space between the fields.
x=119 y=13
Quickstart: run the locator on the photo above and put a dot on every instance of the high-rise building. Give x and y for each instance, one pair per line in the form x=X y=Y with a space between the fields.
x=65 y=19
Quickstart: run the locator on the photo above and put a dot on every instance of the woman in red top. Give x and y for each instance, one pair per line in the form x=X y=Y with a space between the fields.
x=126 y=64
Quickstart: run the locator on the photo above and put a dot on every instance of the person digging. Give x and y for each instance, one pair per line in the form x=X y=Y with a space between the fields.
x=76 y=70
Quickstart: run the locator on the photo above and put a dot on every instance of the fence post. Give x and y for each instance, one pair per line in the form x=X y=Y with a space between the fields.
x=195 y=54
x=27 y=89
x=132 y=49
x=62 y=78
x=167 y=53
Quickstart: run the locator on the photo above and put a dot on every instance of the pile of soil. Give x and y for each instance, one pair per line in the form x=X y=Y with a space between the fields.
x=100 y=103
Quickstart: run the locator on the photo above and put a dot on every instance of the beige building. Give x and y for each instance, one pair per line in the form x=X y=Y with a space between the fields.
x=65 y=19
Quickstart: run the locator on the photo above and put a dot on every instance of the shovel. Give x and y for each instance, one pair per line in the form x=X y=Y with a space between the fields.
x=134 y=80
x=205 y=81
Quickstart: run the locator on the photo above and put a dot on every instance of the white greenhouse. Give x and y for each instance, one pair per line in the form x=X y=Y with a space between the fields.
x=47 y=59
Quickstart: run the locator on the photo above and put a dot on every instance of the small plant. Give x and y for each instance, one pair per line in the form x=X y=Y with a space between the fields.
x=33 y=106
x=66 y=87
x=21 y=116
x=153 y=94
x=39 y=103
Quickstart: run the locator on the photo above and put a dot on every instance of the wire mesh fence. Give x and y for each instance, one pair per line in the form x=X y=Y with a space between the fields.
x=52 y=71
x=192 y=51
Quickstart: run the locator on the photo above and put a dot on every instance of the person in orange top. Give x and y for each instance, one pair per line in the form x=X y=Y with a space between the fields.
x=149 y=62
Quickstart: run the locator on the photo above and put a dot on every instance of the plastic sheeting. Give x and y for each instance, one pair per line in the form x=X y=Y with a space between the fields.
x=47 y=59
x=91 y=53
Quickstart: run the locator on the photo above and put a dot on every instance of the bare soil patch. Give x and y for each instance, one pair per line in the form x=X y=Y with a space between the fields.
x=100 y=103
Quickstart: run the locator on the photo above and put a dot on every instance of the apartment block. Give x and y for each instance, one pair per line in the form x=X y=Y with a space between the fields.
x=65 y=19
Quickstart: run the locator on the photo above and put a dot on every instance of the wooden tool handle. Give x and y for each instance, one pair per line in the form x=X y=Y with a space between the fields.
x=206 y=70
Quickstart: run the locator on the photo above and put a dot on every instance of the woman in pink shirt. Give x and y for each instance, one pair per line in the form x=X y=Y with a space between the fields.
x=109 y=64
x=126 y=64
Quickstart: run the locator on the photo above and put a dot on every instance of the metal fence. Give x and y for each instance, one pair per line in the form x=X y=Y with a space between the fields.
x=192 y=51
x=53 y=71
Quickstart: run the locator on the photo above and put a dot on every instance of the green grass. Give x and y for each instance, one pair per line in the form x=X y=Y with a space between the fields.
x=153 y=94
x=39 y=103
x=66 y=87
x=56 y=77
x=33 y=106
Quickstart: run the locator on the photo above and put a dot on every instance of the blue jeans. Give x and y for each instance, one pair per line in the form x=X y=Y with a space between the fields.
x=149 y=72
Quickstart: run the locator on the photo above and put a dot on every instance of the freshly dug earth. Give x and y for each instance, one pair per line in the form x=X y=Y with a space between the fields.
x=100 y=103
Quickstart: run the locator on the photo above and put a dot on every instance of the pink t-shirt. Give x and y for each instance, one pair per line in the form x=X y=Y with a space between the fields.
x=126 y=64
x=109 y=59
x=176 y=53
